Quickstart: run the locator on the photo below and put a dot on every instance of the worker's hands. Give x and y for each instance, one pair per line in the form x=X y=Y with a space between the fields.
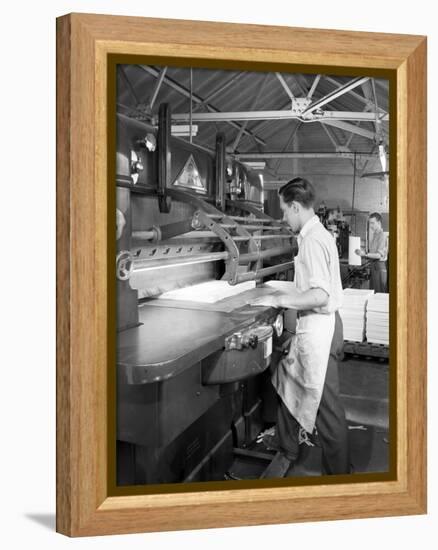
x=360 y=252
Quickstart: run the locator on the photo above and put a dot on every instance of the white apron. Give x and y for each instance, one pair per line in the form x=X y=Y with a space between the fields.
x=299 y=378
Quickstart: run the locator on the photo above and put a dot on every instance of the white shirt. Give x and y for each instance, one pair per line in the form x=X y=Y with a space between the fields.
x=378 y=244
x=317 y=264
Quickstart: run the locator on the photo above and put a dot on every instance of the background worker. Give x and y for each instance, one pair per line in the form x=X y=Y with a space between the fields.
x=377 y=253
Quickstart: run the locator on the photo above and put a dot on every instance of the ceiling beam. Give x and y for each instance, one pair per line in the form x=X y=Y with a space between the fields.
x=378 y=122
x=302 y=155
x=157 y=87
x=345 y=88
x=196 y=98
x=198 y=145
x=297 y=78
x=287 y=114
x=289 y=142
x=275 y=184
x=253 y=105
x=264 y=123
x=285 y=86
x=129 y=85
x=313 y=87
x=135 y=112
x=358 y=123
x=354 y=94
x=357 y=96
x=330 y=136
x=220 y=89
x=352 y=128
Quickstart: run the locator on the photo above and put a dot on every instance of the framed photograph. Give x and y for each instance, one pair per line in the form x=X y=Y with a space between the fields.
x=241 y=274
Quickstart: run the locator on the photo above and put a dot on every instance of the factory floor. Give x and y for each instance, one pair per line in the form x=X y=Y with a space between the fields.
x=364 y=391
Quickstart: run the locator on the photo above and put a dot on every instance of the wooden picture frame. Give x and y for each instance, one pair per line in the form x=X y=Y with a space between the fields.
x=85 y=505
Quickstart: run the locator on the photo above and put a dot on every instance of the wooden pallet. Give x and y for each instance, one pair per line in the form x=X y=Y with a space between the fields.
x=367 y=349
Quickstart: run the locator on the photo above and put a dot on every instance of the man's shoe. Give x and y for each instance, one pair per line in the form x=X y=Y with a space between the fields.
x=270 y=431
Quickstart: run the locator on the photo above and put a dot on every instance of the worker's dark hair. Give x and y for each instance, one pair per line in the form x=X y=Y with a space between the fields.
x=299 y=190
x=376 y=216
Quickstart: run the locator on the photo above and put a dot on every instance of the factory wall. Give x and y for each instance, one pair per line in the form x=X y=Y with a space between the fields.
x=333 y=180
x=337 y=189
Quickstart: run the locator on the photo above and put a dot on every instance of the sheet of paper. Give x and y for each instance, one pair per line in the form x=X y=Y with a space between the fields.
x=208 y=292
x=353 y=244
x=283 y=286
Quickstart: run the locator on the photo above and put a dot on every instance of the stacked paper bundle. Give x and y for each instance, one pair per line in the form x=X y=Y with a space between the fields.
x=377 y=328
x=353 y=313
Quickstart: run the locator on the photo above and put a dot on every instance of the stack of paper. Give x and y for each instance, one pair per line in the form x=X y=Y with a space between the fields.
x=353 y=313
x=377 y=327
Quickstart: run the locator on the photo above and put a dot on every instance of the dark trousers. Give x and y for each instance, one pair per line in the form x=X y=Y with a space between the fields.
x=379 y=276
x=330 y=420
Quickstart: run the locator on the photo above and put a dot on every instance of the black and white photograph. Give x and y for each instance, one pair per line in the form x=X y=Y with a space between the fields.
x=252 y=275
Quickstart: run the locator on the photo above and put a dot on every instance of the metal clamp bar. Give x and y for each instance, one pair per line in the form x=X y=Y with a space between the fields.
x=265 y=220
x=262 y=227
x=262 y=237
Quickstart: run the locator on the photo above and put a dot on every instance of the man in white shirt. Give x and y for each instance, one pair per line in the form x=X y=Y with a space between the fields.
x=307 y=379
x=377 y=253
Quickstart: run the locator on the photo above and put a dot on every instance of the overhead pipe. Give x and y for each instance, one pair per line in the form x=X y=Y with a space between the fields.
x=264 y=272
